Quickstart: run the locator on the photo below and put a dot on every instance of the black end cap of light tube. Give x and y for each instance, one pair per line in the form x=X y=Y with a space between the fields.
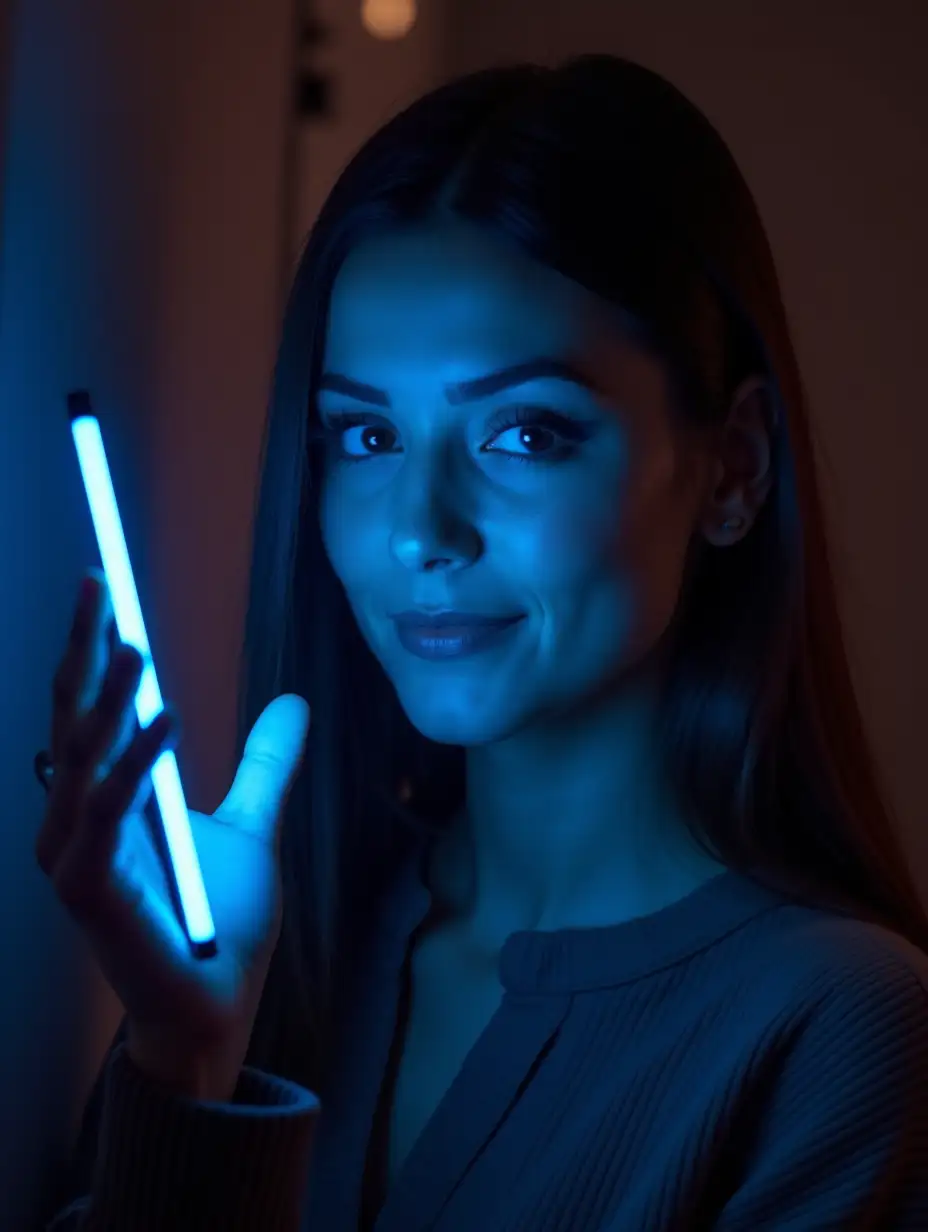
x=78 y=404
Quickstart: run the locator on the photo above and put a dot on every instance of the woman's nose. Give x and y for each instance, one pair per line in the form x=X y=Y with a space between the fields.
x=429 y=534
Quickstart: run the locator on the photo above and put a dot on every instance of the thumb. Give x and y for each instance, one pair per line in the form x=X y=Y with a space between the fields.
x=273 y=755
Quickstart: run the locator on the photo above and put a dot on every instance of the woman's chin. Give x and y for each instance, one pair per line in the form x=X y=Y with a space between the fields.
x=440 y=720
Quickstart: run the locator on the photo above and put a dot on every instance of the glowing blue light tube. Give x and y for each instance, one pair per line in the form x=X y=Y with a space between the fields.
x=127 y=612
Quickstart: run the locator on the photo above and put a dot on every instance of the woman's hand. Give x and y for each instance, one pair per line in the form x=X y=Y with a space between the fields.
x=189 y=1020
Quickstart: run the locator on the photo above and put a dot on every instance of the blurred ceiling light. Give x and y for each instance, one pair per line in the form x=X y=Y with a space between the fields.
x=388 y=19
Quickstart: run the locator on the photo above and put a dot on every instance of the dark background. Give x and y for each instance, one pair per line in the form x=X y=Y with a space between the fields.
x=156 y=183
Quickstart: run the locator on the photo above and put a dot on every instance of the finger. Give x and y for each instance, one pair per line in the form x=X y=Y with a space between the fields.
x=83 y=878
x=127 y=729
x=94 y=735
x=103 y=643
x=273 y=755
x=87 y=654
x=85 y=752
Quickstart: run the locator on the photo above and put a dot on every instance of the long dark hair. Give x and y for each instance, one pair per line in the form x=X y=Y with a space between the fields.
x=604 y=171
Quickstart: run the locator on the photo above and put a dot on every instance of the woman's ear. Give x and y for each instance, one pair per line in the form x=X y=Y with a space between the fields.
x=741 y=474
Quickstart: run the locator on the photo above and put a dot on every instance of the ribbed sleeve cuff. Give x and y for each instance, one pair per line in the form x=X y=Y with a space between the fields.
x=165 y=1162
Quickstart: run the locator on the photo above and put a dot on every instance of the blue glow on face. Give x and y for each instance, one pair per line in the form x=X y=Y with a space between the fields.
x=127 y=613
x=563 y=493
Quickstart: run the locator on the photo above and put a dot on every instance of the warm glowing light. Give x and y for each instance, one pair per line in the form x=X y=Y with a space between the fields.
x=388 y=19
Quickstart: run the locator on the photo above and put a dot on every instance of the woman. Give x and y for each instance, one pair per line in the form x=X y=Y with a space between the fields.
x=593 y=914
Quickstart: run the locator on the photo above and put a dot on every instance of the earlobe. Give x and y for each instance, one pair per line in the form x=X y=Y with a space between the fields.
x=743 y=464
x=721 y=531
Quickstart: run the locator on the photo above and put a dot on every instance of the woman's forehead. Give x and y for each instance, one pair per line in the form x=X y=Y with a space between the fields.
x=451 y=281
x=453 y=295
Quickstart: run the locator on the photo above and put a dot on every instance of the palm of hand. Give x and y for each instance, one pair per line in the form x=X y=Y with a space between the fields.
x=144 y=952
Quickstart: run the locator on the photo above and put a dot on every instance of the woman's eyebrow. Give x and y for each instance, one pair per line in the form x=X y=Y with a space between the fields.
x=471 y=390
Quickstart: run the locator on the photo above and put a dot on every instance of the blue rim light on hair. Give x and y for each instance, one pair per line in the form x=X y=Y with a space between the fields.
x=127 y=612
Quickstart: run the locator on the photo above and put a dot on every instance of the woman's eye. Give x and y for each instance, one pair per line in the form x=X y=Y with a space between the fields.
x=536 y=435
x=525 y=440
x=367 y=440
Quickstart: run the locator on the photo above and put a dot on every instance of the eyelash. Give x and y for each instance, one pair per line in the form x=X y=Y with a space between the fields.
x=571 y=431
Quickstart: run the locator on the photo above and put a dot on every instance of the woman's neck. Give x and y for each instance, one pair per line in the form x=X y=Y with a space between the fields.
x=572 y=824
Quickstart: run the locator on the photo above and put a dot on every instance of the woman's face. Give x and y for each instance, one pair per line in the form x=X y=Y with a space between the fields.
x=498 y=449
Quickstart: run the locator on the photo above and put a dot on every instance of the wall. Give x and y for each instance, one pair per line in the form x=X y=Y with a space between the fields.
x=140 y=251
x=825 y=107
x=371 y=80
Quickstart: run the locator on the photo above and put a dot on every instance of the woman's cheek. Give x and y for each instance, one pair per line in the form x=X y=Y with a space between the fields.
x=564 y=545
x=341 y=536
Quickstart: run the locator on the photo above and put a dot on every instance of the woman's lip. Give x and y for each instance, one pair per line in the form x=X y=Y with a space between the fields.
x=420 y=620
x=454 y=641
